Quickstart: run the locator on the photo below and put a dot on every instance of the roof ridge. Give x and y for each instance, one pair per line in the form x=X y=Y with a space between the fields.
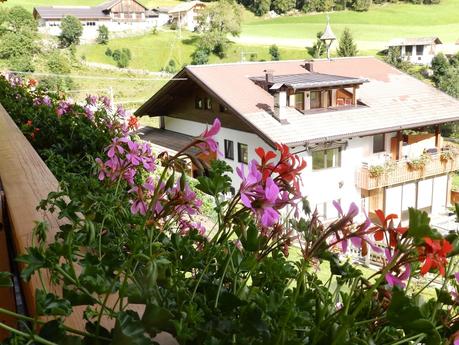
x=279 y=61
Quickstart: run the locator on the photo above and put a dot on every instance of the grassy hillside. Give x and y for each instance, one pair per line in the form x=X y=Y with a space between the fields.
x=154 y=51
x=378 y=25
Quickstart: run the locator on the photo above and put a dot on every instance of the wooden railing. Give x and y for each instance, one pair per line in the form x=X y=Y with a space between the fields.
x=26 y=181
x=400 y=171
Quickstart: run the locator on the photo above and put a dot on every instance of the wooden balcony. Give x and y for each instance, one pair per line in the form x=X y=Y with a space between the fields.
x=401 y=171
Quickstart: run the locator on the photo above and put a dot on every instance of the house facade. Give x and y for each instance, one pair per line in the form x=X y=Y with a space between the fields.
x=185 y=15
x=369 y=133
x=419 y=51
x=119 y=16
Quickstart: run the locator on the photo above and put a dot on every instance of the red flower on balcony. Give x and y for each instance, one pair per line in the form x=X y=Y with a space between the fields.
x=433 y=255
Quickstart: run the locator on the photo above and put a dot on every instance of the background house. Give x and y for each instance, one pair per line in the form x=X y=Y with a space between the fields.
x=185 y=15
x=119 y=16
x=417 y=50
x=345 y=116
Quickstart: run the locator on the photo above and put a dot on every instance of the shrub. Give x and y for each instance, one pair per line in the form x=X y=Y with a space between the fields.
x=274 y=52
x=122 y=57
x=200 y=57
x=108 y=52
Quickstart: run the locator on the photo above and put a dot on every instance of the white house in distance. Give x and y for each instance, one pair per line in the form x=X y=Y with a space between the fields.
x=117 y=15
x=417 y=50
x=348 y=117
x=185 y=15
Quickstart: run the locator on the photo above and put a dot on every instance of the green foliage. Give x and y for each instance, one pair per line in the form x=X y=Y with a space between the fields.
x=171 y=67
x=260 y=7
x=103 y=36
x=122 y=57
x=318 y=5
x=274 y=52
x=346 y=46
x=108 y=52
x=200 y=57
x=283 y=6
x=57 y=63
x=440 y=67
x=318 y=49
x=71 y=31
x=216 y=22
x=361 y=5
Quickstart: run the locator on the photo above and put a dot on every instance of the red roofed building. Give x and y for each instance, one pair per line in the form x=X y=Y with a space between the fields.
x=369 y=132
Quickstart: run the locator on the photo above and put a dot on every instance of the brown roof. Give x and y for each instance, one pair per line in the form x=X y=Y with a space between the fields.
x=393 y=99
x=100 y=11
x=164 y=140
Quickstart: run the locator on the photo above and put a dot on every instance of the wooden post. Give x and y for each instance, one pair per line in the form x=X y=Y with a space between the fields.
x=354 y=96
x=399 y=145
x=437 y=137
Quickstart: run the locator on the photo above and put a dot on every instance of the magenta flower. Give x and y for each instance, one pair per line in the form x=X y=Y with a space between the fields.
x=62 y=108
x=207 y=138
x=102 y=169
x=91 y=100
x=47 y=101
x=397 y=279
x=89 y=112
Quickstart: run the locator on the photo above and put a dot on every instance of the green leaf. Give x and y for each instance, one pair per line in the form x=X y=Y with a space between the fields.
x=252 y=242
x=34 y=260
x=444 y=297
x=419 y=225
x=50 y=304
x=5 y=279
x=157 y=319
x=129 y=330
x=76 y=298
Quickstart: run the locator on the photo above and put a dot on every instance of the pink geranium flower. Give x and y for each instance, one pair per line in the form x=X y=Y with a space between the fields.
x=207 y=138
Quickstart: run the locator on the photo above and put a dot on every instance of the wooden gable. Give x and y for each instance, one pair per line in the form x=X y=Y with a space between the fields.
x=128 y=6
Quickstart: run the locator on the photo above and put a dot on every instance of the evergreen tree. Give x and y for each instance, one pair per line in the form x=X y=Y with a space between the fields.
x=346 y=46
x=361 y=5
x=103 y=35
x=274 y=52
x=440 y=66
x=71 y=31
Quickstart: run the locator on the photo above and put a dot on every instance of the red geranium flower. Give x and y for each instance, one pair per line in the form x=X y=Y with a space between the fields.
x=433 y=255
x=384 y=224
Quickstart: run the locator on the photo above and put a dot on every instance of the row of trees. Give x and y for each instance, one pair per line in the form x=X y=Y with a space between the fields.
x=261 y=7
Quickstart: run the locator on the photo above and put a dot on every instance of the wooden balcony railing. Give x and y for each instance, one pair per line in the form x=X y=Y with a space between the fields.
x=401 y=171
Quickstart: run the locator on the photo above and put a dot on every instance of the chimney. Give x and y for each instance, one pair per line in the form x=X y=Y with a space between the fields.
x=269 y=76
x=280 y=104
x=309 y=66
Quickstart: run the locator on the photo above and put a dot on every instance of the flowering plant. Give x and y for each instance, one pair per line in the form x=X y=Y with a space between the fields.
x=138 y=257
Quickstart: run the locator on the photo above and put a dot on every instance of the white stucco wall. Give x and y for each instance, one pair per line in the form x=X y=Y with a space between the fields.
x=195 y=128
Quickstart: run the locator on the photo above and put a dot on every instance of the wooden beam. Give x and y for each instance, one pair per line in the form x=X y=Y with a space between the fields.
x=354 y=96
x=399 y=145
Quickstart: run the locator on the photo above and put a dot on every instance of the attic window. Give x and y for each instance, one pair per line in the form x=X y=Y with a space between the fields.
x=209 y=103
x=198 y=103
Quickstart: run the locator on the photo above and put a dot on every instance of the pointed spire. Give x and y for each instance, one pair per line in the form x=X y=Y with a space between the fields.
x=328 y=33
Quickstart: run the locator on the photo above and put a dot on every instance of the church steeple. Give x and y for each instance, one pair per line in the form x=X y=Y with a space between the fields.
x=328 y=37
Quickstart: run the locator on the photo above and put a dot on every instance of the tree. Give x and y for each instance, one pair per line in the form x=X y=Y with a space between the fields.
x=440 y=66
x=274 y=52
x=260 y=7
x=19 y=19
x=346 y=46
x=216 y=22
x=200 y=57
x=71 y=31
x=318 y=5
x=283 y=6
x=58 y=64
x=361 y=5
x=103 y=35
x=318 y=49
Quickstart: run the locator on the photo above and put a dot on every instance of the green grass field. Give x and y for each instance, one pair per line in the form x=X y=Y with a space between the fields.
x=371 y=29
x=153 y=52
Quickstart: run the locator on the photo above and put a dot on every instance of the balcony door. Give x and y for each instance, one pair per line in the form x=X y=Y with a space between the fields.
x=315 y=99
